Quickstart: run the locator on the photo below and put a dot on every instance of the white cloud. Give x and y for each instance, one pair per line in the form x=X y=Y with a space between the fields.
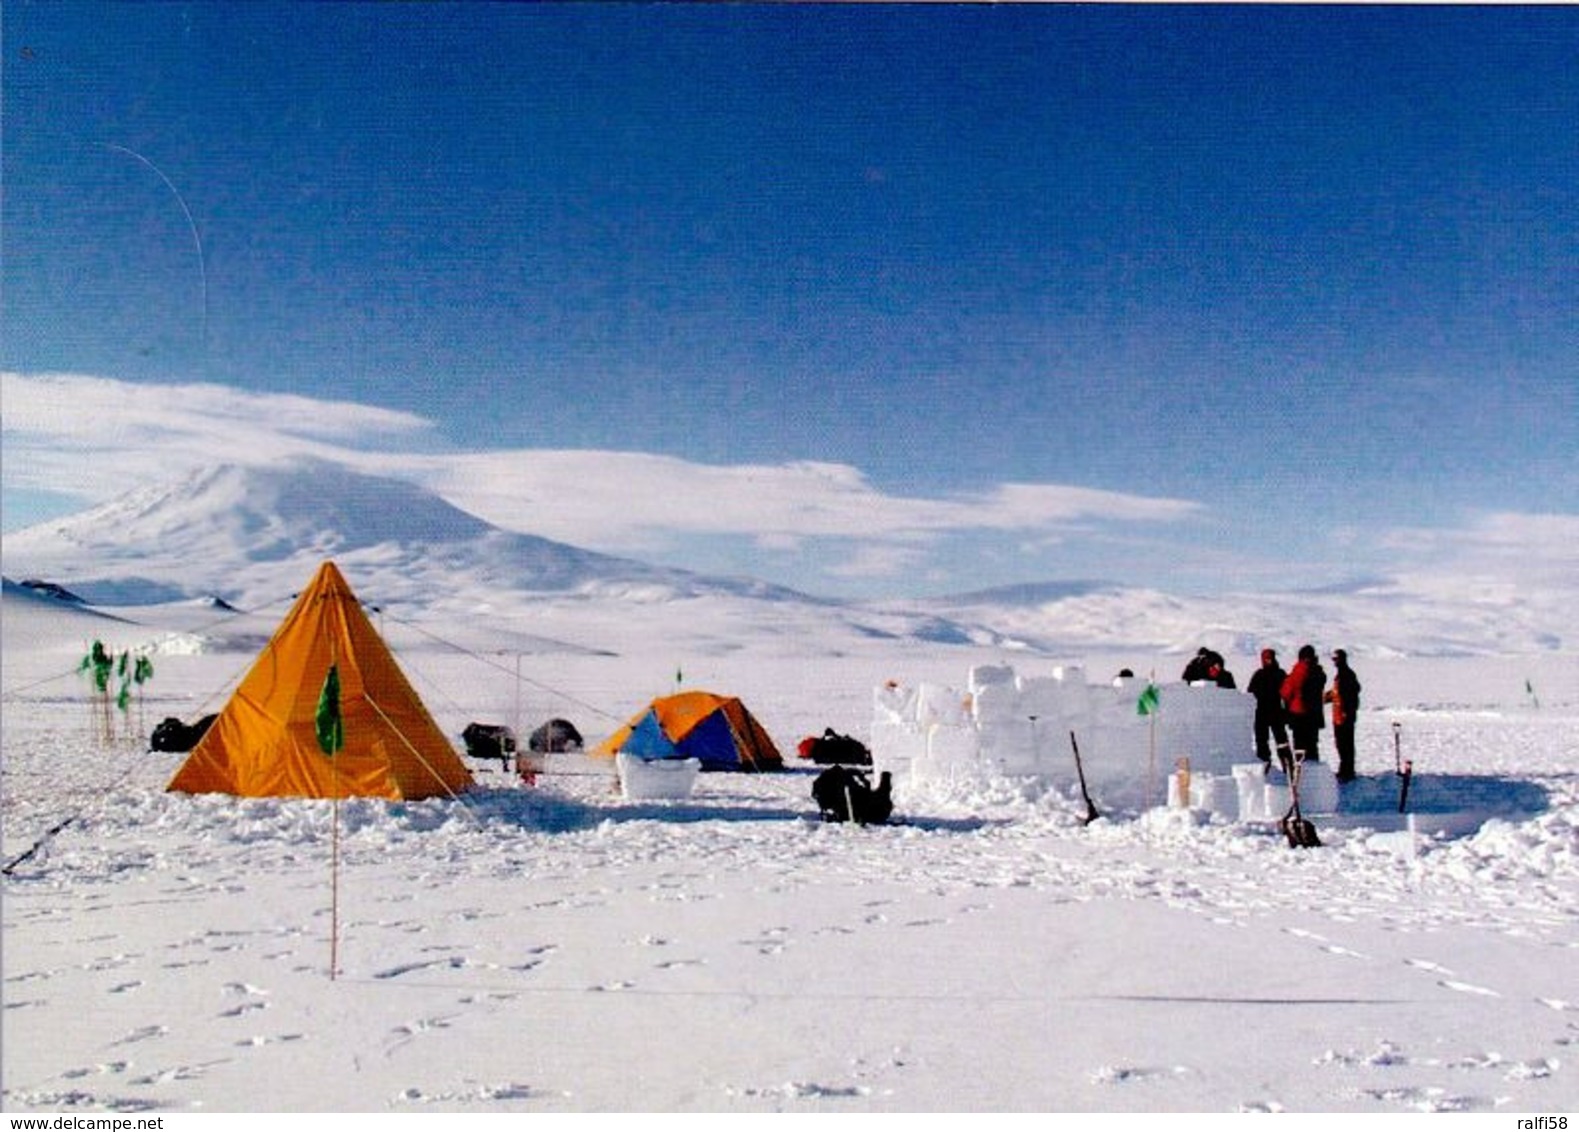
x=639 y=496
x=881 y=560
x=94 y=437
x=1538 y=551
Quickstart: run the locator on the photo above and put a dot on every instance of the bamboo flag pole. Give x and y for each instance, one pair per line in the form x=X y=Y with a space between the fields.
x=331 y=738
x=334 y=892
x=1148 y=705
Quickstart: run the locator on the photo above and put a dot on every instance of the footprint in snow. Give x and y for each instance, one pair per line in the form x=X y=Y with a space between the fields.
x=266 y=1040
x=108 y=962
x=1430 y=1099
x=142 y=1034
x=97 y=1070
x=1532 y=1070
x=243 y=1008
x=1427 y=965
x=177 y=1073
x=400 y=1035
x=1468 y=988
x=508 y=1091
x=802 y=1090
x=77 y=1099
x=453 y=963
x=1385 y=1054
x=1133 y=1075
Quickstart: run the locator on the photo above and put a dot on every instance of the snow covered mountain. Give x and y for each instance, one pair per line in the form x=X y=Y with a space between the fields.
x=251 y=536
x=1420 y=616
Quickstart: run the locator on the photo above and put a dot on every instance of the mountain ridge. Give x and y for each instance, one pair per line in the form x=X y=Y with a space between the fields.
x=248 y=535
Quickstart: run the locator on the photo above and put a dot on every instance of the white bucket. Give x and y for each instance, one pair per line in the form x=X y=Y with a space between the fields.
x=649 y=779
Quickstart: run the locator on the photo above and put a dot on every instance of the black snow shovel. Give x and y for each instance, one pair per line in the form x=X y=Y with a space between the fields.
x=1080 y=770
x=1300 y=830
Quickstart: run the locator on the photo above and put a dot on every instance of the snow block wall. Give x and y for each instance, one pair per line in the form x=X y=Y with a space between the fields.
x=1004 y=725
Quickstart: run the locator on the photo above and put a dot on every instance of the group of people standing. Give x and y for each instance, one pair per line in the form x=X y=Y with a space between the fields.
x=1290 y=708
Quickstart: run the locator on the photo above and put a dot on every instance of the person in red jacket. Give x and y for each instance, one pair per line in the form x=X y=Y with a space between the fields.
x=1302 y=691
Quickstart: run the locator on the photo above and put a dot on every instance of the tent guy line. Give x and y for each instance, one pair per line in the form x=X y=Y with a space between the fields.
x=491 y=663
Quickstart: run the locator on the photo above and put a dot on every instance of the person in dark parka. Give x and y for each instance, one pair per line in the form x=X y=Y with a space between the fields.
x=1266 y=685
x=1344 y=696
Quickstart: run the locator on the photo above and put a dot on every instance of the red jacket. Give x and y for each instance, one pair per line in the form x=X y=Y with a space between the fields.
x=1302 y=690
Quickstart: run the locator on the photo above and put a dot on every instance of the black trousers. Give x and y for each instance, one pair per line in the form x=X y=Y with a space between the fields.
x=1306 y=731
x=1343 y=739
x=1269 y=729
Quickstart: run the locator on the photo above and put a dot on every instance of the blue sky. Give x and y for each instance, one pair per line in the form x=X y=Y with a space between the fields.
x=1180 y=296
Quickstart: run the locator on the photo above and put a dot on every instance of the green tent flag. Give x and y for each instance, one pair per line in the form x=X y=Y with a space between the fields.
x=99 y=663
x=1149 y=698
x=331 y=729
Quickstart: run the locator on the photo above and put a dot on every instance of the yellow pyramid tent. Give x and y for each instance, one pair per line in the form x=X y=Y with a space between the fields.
x=265 y=742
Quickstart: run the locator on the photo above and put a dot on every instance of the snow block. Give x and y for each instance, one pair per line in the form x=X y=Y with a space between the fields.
x=1318 y=788
x=1009 y=726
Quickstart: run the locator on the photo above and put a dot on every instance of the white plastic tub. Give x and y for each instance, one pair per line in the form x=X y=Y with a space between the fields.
x=652 y=779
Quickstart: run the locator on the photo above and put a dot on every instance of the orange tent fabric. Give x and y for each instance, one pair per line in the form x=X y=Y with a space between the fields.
x=718 y=730
x=265 y=742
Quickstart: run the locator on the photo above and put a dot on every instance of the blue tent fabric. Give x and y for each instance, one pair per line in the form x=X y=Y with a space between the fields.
x=712 y=742
x=648 y=741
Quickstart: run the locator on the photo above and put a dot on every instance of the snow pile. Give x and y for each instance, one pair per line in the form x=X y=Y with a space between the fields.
x=1007 y=725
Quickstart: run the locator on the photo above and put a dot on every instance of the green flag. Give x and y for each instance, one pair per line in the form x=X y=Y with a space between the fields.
x=1147 y=704
x=331 y=729
x=99 y=663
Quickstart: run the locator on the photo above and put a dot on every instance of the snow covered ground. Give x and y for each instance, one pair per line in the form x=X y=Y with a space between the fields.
x=559 y=949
